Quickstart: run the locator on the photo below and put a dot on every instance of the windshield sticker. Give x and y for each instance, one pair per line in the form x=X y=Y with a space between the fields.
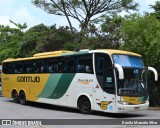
x=110 y=107
x=136 y=71
x=109 y=79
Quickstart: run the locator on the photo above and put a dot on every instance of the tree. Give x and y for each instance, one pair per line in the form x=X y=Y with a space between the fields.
x=6 y=33
x=156 y=8
x=84 y=11
x=107 y=36
x=9 y=42
x=15 y=43
x=20 y=26
x=141 y=34
x=54 y=39
x=42 y=38
x=111 y=30
x=30 y=39
x=10 y=39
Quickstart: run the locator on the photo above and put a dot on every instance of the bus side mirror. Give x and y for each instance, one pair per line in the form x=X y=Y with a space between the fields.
x=154 y=71
x=120 y=71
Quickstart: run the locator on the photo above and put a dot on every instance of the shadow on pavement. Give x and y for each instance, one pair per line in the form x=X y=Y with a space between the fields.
x=73 y=110
x=119 y=115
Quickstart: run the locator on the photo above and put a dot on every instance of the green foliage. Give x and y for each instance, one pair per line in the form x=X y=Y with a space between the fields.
x=70 y=46
x=6 y=33
x=156 y=8
x=108 y=36
x=20 y=26
x=30 y=39
x=40 y=38
x=9 y=42
x=9 y=50
x=111 y=30
x=54 y=39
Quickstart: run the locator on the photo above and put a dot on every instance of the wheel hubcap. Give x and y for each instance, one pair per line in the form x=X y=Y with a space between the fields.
x=86 y=106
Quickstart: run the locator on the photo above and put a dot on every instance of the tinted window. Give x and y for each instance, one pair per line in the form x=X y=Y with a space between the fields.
x=84 y=64
x=102 y=61
x=18 y=67
x=104 y=72
x=67 y=64
x=128 y=61
x=53 y=65
x=8 y=68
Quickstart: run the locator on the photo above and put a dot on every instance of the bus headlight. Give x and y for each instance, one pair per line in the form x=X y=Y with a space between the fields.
x=123 y=102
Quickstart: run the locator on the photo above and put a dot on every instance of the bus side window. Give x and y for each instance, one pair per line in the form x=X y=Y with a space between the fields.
x=28 y=67
x=81 y=68
x=8 y=68
x=53 y=68
x=52 y=65
x=29 y=70
x=16 y=71
x=88 y=69
x=84 y=64
x=60 y=68
x=37 y=70
x=18 y=67
x=69 y=64
x=42 y=70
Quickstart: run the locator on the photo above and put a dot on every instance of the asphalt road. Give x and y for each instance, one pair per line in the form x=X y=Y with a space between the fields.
x=36 y=111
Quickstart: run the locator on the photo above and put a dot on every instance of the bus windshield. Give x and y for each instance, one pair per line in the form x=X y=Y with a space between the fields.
x=135 y=81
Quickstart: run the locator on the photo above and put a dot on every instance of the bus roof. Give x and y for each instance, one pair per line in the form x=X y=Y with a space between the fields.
x=112 y=51
x=66 y=52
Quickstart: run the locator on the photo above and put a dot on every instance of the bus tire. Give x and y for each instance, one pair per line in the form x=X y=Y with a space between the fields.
x=22 y=98
x=84 y=105
x=15 y=97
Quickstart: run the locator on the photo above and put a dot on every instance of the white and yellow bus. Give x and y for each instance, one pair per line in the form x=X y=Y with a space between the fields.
x=102 y=80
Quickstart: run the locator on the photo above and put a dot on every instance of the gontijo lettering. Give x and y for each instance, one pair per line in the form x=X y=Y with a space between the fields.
x=28 y=79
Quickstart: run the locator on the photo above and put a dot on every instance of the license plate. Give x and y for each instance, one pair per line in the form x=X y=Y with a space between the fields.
x=136 y=108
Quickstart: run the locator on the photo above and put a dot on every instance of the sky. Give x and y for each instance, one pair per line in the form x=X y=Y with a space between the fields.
x=21 y=11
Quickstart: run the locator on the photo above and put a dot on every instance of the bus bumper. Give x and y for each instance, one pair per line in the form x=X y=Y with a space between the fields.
x=129 y=108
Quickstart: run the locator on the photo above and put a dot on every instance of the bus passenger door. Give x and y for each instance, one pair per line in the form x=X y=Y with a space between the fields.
x=109 y=89
x=105 y=78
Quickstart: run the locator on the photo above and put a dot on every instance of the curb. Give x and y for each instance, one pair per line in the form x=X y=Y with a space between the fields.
x=154 y=108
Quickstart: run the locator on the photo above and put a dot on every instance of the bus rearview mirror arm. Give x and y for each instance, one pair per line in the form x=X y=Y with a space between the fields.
x=154 y=71
x=120 y=71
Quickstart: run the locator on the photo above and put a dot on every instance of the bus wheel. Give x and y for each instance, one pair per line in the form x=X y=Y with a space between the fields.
x=15 y=97
x=22 y=98
x=84 y=105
